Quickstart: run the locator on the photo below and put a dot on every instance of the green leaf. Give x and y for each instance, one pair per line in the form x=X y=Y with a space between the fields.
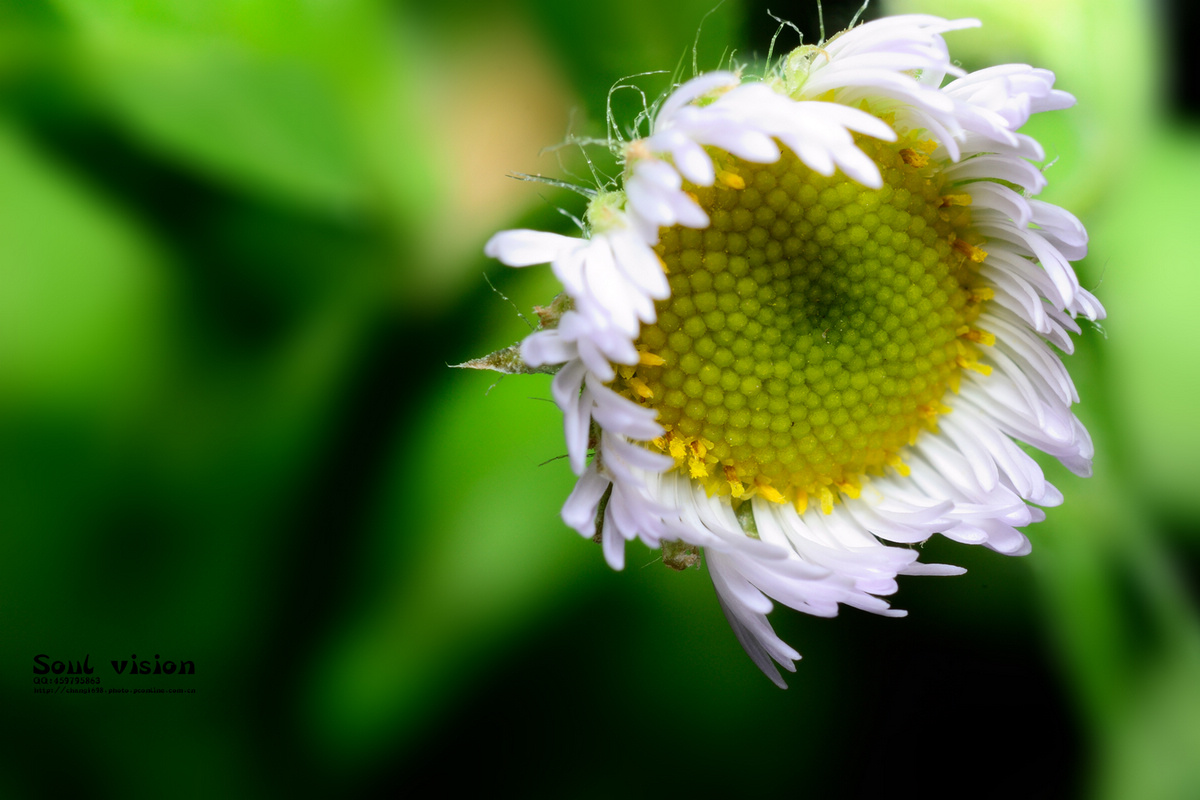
x=1149 y=285
x=270 y=125
x=469 y=552
x=81 y=313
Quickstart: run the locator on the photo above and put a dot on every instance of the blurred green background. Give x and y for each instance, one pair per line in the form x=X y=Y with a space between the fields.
x=240 y=240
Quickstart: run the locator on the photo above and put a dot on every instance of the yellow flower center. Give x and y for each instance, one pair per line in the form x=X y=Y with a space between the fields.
x=814 y=327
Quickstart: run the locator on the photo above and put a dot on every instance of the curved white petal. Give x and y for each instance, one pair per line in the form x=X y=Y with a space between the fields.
x=522 y=247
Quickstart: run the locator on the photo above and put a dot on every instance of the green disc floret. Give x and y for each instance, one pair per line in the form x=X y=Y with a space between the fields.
x=813 y=328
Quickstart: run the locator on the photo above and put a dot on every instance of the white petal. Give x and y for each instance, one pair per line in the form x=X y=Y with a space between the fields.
x=579 y=512
x=522 y=247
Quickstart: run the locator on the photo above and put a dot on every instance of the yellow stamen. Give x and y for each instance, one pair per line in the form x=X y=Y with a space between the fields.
x=976 y=335
x=956 y=200
x=850 y=487
x=641 y=389
x=677 y=448
x=826 y=500
x=896 y=463
x=930 y=411
x=969 y=363
x=735 y=485
x=731 y=179
x=914 y=158
x=650 y=359
x=969 y=250
x=769 y=492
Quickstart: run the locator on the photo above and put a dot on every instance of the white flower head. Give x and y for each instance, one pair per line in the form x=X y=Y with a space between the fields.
x=810 y=327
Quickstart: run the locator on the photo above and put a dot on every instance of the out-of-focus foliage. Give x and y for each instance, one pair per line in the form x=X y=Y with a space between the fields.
x=1124 y=614
x=241 y=242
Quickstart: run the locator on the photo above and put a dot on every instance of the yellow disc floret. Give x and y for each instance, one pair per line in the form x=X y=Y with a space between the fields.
x=814 y=327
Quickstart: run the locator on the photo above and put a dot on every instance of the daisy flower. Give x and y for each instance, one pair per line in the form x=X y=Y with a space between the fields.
x=809 y=327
